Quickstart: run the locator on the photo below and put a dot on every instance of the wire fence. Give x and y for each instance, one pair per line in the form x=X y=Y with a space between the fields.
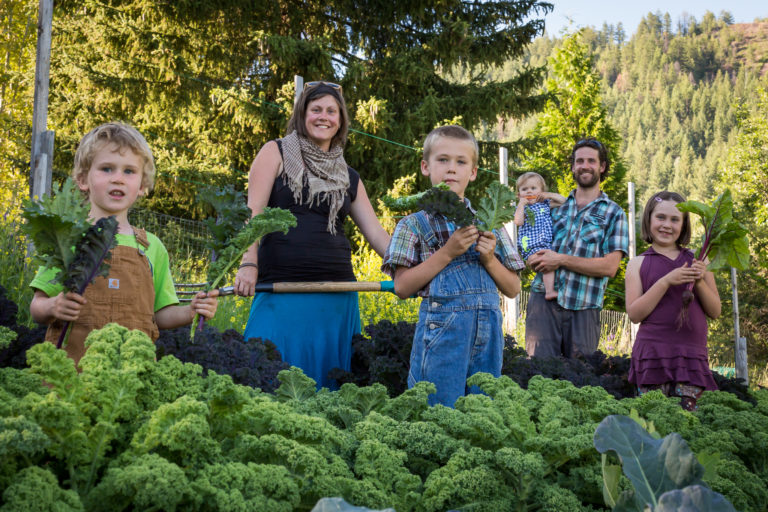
x=615 y=327
x=183 y=238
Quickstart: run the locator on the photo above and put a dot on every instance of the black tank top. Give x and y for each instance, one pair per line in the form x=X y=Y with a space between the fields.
x=308 y=252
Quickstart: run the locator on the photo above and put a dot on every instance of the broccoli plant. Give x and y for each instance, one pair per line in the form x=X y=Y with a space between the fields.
x=64 y=238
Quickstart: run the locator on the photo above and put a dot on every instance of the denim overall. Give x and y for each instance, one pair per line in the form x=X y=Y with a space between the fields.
x=459 y=331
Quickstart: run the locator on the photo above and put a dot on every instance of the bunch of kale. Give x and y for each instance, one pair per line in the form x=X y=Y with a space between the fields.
x=14 y=355
x=383 y=354
x=254 y=363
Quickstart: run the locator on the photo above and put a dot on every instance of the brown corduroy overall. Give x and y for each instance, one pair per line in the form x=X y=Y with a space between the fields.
x=126 y=297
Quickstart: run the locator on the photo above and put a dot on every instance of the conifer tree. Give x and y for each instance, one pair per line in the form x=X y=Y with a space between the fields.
x=574 y=111
x=210 y=82
x=18 y=33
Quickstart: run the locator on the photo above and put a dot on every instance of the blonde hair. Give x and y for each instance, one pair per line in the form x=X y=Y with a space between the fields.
x=123 y=136
x=455 y=132
x=530 y=176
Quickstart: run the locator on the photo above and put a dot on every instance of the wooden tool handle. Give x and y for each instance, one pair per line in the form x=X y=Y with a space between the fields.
x=326 y=286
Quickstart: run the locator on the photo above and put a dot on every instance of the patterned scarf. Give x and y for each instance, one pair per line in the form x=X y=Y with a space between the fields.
x=324 y=172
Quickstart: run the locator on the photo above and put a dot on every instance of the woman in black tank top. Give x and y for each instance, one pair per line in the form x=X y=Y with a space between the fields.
x=305 y=173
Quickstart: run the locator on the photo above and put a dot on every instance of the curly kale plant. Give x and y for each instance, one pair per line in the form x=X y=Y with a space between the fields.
x=59 y=222
x=496 y=208
x=253 y=363
x=271 y=219
x=493 y=211
x=231 y=214
x=409 y=203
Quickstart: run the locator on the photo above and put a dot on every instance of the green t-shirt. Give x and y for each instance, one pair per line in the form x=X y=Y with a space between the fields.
x=165 y=293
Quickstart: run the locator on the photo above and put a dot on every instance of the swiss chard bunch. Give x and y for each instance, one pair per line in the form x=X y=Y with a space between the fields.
x=58 y=223
x=493 y=211
x=724 y=240
x=237 y=242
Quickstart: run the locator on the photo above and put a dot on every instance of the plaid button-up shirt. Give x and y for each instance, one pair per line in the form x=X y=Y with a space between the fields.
x=596 y=230
x=408 y=246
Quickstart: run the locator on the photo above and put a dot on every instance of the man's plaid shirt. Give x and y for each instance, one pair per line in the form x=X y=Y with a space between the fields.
x=594 y=231
x=408 y=246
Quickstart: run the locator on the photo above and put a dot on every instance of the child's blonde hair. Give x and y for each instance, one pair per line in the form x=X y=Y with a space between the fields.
x=123 y=136
x=455 y=132
x=528 y=176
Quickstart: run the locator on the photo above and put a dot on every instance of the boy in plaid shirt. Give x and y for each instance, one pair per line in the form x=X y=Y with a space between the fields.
x=457 y=272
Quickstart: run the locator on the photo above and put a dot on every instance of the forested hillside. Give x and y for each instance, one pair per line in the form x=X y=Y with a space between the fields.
x=672 y=92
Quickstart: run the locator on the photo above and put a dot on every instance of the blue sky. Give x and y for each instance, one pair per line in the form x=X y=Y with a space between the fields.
x=630 y=12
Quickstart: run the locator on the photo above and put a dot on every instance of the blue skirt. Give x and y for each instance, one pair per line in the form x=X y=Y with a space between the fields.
x=312 y=331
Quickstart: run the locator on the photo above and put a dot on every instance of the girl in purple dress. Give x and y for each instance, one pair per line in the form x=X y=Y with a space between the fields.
x=666 y=356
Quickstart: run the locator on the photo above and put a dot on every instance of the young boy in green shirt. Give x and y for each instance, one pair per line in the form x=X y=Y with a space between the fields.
x=113 y=168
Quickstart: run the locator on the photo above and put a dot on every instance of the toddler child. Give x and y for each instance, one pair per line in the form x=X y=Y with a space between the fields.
x=113 y=168
x=457 y=273
x=535 y=233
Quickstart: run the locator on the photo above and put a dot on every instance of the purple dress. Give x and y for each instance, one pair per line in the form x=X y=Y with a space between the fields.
x=662 y=353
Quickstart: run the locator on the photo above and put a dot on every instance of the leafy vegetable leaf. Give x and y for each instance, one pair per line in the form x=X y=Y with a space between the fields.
x=271 y=219
x=438 y=201
x=496 y=209
x=91 y=254
x=654 y=466
x=339 y=505
x=530 y=216
x=725 y=240
x=408 y=203
x=294 y=385
x=56 y=223
x=231 y=214
x=694 y=497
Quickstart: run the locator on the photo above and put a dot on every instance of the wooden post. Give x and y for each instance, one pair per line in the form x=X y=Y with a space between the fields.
x=298 y=83
x=40 y=169
x=632 y=248
x=511 y=306
x=740 y=347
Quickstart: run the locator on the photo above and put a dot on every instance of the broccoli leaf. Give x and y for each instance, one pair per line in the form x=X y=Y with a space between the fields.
x=496 y=209
x=438 y=201
x=408 y=203
x=56 y=223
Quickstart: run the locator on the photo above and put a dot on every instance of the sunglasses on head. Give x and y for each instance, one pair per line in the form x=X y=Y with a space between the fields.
x=311 y=85
x=592 y=143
